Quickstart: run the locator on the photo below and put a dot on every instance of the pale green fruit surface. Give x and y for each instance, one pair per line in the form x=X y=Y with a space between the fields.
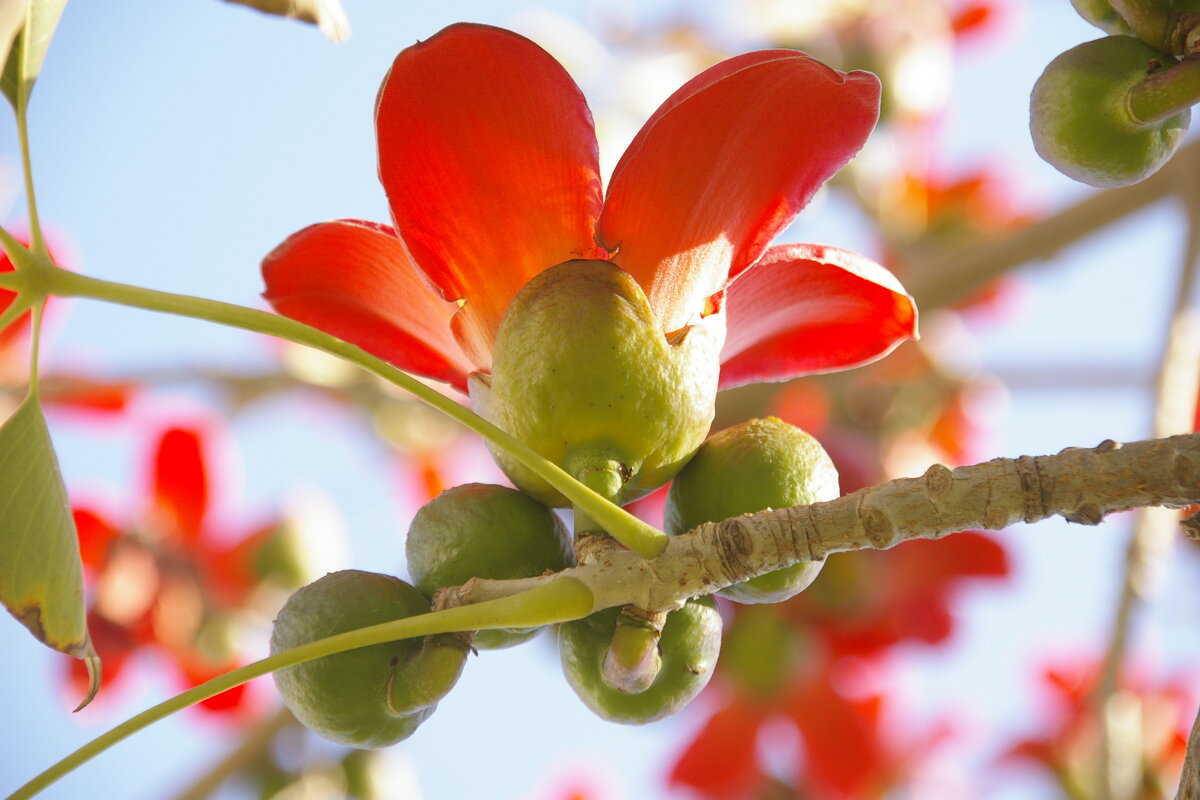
x=1079 y=114
x=344 y=697
x=753 y=466
x=1102 y=14
x=480 y=530
x=690 y=644
x=583 y=373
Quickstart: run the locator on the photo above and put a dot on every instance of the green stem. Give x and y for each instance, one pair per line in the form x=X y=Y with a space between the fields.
x=620 y=524
x=1166 y=93
x=606 y=482
x=35 y=347
x=560 y=600
x=36 y=243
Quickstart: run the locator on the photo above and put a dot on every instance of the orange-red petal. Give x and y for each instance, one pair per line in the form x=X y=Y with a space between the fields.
x=722 y=760
x=724 y=165
x=489 y=159
x=355 y=280
x=805 y=309
x=180 y=484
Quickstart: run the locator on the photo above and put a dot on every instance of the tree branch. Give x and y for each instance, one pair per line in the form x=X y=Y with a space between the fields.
x=944 y=276
x=1082 y=485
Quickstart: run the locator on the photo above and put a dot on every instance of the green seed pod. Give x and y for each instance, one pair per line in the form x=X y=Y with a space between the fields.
x=485 y=531
x=1080 y=119
x=373 y=696
x=583 y=373
x=690 y=643
x=760 y=652
x=1102 y=14
x=759 y=464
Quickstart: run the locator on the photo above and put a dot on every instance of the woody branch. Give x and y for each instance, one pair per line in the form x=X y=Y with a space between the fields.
x=1082 y=485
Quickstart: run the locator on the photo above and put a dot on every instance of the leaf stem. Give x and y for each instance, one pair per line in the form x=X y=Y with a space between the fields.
x=560 y=600
x=620 y=524
x=36 y=242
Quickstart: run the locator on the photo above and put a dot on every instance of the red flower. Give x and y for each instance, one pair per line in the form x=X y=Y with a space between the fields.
x=847 y=748
x=866 y=602
x=69 y=391
x=167 y=582
x=1155 y=716
x=489 y=160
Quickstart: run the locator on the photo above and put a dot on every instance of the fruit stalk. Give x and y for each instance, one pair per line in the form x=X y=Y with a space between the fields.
x=633 y=660
x=1166 y=93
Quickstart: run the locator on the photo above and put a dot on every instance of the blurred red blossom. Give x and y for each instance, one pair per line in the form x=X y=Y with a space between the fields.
x=171 y=580
x=67 y=391
x=848 y=746
x=1151 y=715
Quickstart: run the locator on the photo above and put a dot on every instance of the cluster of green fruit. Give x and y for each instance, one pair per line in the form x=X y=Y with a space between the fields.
x=1112 y=111
x=378 y=695
x=584 y=375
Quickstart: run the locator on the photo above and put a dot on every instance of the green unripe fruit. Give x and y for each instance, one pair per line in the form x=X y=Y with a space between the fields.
x=482 y=530
x=690 y=643
x=760 y=652
x=373 y=696
x=1080 y=119
x=583 y=373
x=759 y=464
x=1102 y=14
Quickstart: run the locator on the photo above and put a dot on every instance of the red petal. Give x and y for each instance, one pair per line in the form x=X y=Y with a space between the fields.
x=20 y=326
x=196 y=671
x=936 y=566
x=845 y=755
x=489 y=159
x=721 y=761
x=81 y=393
x=805 y=309
x=355 y=280
x=96 y=536
x=724 y=165
x=180 y=484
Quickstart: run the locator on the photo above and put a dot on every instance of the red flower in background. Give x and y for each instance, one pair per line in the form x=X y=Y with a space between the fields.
x=64 y=391
x=1153 y=716
x=489 y=160
x=168 y=582
x=790 y=661
x=846 y=748
x=865 y=602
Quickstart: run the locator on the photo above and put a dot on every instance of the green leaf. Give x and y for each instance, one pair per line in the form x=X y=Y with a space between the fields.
x=28 y=48
x=41 y=574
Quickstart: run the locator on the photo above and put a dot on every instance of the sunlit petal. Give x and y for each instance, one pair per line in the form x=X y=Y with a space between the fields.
x=355 y=280
x=724 y=165
x=488 y=157
x=805 y=309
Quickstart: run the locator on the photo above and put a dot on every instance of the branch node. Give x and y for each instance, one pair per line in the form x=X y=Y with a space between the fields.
x=1033 y=493
x=1191 y=526
x=878 y=527
x=1086 y=514
x=939 y=479
x=1184 y=470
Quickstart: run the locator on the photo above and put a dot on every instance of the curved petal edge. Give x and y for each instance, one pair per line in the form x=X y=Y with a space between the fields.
x=356 y=281
x=805 y=309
